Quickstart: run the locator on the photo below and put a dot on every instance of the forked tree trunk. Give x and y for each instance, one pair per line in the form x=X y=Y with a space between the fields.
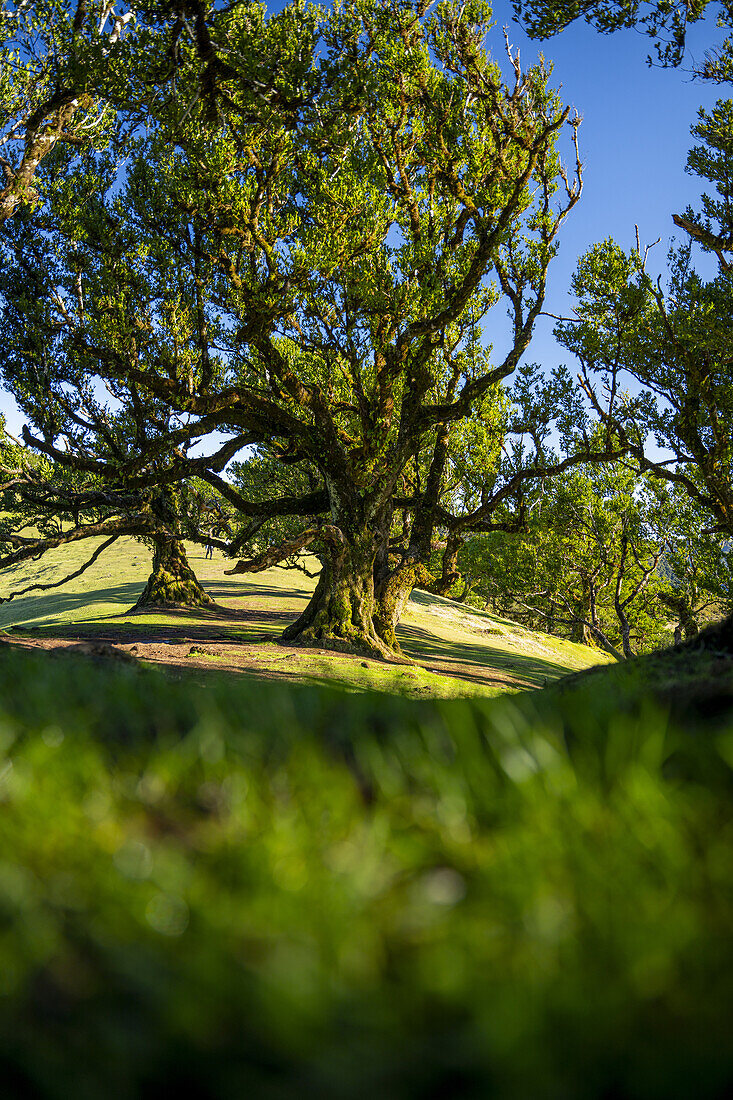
x=449 y=567
x=173 y=581
x=392 y=591
x=582 y=633
x=392 y=594
x=682 y=607
x=340 y=614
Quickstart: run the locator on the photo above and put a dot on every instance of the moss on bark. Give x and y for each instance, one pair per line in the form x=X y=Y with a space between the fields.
x=392 y=593
x=340 y=614
x=172 y=581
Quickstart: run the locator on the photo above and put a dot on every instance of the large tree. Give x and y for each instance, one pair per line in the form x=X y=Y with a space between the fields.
x=312 y=276
x=347 y=265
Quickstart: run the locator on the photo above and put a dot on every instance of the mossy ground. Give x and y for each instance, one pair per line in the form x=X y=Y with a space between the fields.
x=263 y=890
x=457 y=651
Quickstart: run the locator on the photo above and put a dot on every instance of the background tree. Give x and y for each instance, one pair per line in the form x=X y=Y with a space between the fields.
x=696 y=566
x=539 y=429
x=674 y=349
x=102 y=443
x=589 y=566
x=46 y=505
x=670 y=349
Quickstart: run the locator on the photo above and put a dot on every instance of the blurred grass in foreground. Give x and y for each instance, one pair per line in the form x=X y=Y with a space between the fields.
x=269 y=892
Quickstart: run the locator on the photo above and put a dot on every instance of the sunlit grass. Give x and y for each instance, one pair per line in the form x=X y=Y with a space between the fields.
x=491 y=655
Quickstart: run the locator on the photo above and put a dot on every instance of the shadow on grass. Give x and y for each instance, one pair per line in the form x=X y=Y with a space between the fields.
x=45 y=608
x=472 y=661
x=475 y=662
x=48 y=605
x=39 y=615
x=138 y=628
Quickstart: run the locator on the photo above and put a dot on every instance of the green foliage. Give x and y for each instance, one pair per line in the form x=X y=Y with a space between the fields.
x=305 y=268
x=66 y=66
x=674 y=349
x=274 y=892
x=602 y=545
x=697 y=559
x=263 y=476
x=712 y=160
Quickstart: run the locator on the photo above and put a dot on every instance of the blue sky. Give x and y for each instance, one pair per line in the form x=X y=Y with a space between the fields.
x=634 y=140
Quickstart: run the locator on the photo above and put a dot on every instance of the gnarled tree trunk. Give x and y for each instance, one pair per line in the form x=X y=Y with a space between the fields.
x=682 y=607
x=340 y=614
x=172 y=581
x=449 y=573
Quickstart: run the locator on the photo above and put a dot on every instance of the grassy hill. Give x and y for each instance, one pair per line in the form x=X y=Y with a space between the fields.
x=238 y=886
x=457 y=650
x=256 y=889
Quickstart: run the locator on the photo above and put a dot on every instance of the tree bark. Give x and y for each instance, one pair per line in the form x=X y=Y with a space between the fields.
x=582 y=628
x=392 y=591
x=340 y=614
x=172 y=581
x=449 y=566
x=681 y=605
x=585 y=617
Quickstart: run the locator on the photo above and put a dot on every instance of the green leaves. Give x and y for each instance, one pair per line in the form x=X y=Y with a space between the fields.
x=669 y=347
x=665 y=21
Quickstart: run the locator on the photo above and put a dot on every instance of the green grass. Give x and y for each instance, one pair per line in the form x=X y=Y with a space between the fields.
x=253 y=889
x=234 y=885
x=468 y=652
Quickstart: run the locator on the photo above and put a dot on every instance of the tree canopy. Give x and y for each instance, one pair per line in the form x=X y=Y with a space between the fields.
x=314 y=279
x=317 y=243
x=656 y=362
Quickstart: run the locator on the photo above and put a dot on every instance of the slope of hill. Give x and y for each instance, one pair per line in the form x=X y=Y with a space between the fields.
x=455 y=649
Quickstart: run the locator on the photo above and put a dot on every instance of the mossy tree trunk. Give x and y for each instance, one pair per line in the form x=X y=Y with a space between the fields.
x=340 y=614
x=449 y=573
x=681 y=605
x=356 y=607
x=394 y=584
x=172 y=580
x=392 y=591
